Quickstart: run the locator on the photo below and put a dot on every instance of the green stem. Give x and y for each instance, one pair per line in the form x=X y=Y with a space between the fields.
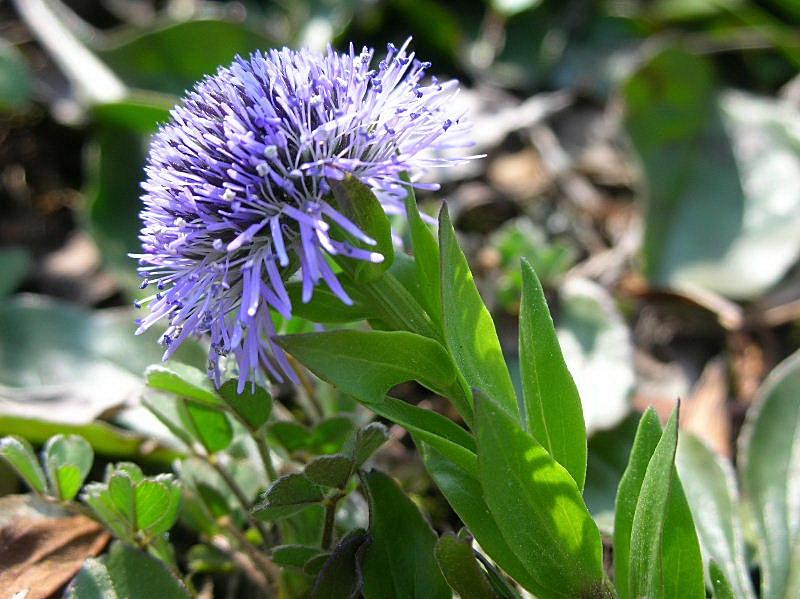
x=240 y=497
x=266 y=456
x=330 y=520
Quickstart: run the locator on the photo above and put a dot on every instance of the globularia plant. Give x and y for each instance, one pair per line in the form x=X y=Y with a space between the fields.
x=266 y=205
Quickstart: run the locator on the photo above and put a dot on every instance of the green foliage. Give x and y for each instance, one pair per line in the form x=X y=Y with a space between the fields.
x=67 y=461
x=538 y=507
x=552 y=404
x=664 y=552
x=710 y=486
x=768 y=466
x=366 y=364
x=19 y=454
x=15 y=80
x=358 y=203
x=386 y=564
x=461 y=569
x=469 y=331
x=125 y=573
x=340 y=575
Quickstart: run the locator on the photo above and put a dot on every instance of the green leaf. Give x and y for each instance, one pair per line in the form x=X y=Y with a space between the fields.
x=141 y=112
x=15 y=80
x=462 y=489
x=330 y=470
x=253 y=408
x=339 y=577
x=294 y=555
x=710 y=487
x=288 y=495
x=425 y=423
x=157 y=503
x=182 y=380
x=367 y=441
x=722 y=177
x=19 y=454
x=107 y=440
x=552 y=404
x=387 y=563
x=647 y=437
x=325 y=306
x=366 y=364
x=722 y=588
x=67 y=461
x=468 y=327
x=14 y=264
x=207 y=424
x=537 y=506
x=330 y=435
x=357 y=202
x=169 y=59
x=113 y=165
x=665 y=559
x=768 y=468
x=125 y=573
x=461 y=568
x=93 y=362
x=426 y=257
x=293 y=436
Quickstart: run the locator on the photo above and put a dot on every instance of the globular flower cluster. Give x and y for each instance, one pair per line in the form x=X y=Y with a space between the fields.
x=238 y=183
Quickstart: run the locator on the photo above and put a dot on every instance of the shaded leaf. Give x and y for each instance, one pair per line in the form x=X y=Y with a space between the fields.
x=294 y=555
x=252 y=407
x=463 y=491
x=339 y=577
x=461 y=568
x=329 y=470
x=386 y=564
x=207 y=424
x=287 y=495
x=357 y=202
x=710 y=486
x=125 y=573
x=768 y=467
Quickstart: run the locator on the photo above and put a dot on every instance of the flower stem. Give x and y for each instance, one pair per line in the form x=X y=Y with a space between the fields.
x=240 y=497
x=330 y=520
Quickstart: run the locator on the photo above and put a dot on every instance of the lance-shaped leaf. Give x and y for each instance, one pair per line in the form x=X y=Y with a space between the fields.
x=366 y=364
x=710 y=486
x=426 y=257
x=468 y=327
x=461 y=569
x=769 y=471
x=665 y=561
x=182 y=380
x=358 y=203
x=458 y=481
x=552 y=405
x=538 y=507
x=340 y=577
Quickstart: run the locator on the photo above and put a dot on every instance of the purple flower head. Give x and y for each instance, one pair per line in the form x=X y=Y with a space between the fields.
x=237 y=184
